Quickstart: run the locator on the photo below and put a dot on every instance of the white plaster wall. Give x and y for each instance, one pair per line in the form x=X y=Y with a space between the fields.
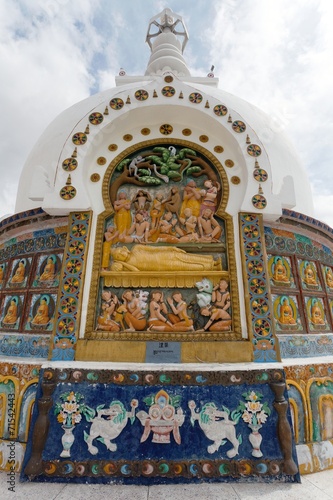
x=278 y=157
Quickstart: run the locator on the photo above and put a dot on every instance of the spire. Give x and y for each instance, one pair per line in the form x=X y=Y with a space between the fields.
x=167 y=37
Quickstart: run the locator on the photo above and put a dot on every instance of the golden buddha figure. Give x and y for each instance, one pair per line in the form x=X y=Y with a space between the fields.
x=280 y=272
x=19 y=274
x=49 y=270
x=286 y=316
x=329 y=277
x=310 y=277
x=149 y=258
x=11 y=316
x=42 y=315
x=316 y=313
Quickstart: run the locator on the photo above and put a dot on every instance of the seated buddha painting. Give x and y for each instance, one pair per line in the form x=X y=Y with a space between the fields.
x=286 y=313
x=280 y=272
x=2 y=274
x=164 y=257
x=309 y=275
x=41 y=312
x=47 y=271
x=19 y=273
x=11 y=311
x=316 y=313
x=328 y=274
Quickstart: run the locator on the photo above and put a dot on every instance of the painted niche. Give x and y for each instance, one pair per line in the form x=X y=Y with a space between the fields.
x=164 y=263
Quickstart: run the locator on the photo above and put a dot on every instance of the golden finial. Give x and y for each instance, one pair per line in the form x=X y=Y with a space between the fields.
x=256 y=164
x=106 y=110
x=87 y=130
x=248 y=140
x=260 y=191
x=74 y=154
x=69 y=180
x=155 y=94
x=229 y=119
x=181 y=95
x=207 y=105
x=128 y=100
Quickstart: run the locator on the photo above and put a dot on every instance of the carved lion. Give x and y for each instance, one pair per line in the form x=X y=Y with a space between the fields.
x=108 y=424
x=216 y=426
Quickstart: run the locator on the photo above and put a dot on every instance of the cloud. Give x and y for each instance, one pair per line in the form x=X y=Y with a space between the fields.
x=45 y=54
x=277 y=55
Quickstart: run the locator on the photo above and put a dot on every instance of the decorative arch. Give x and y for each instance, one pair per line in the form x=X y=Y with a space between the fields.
x=325 y=404
x=148 y=174
x=299 y=404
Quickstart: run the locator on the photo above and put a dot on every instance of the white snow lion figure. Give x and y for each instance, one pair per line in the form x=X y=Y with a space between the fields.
x=217 y=426
x=107 y=429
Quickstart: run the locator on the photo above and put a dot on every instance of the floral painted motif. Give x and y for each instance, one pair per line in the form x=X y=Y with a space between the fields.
x=69 y=413
x=255 y=414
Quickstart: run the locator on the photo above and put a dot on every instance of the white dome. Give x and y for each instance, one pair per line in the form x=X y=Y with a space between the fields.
x=42 y=176
x=146 y=105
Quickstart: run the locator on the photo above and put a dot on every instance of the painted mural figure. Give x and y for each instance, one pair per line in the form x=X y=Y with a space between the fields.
x=316 y=313
x=209 y=228
x=179 y=318
x=209 y=196
x=216 y=426
x=219 y=319
x=132 y=312
x=191 y=199
x=108 y=424
x=329 y=277
x=173 y=201
x=167 y=229
x=156 y=211
x=123 y=217
x=142 y=201
x=310 y=277
x=12 y=313
x=111 y=236
x=106 y=319
x=158 y=320
x=49 y=270
x=286 y=316
x=189 y=222
x=42 y=315
x=221 y=295
x=138 y=232
x=19 y=273
x=149 y=258
x=280 y=272
x=164 y=417
x=2 y=270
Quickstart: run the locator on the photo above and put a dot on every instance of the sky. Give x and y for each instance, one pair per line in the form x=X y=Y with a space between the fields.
x=276 y=54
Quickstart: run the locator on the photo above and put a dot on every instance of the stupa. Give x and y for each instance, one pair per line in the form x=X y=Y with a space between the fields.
x=166 y=294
